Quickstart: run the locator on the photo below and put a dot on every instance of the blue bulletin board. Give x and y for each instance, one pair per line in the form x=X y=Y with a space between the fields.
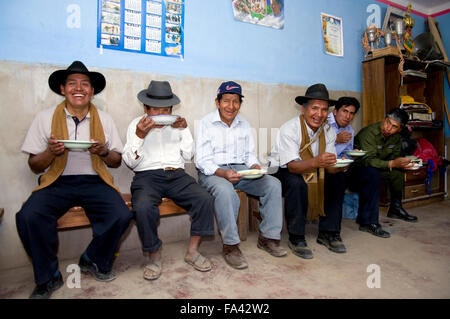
x=143 y=26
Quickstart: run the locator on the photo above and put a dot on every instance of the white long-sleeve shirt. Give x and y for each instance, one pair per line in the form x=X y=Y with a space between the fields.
x=217 y=143
x=161 y=148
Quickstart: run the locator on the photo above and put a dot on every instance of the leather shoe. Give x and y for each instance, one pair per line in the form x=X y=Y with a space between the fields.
x=396 y=211
x=375 y=229
x=88 y=266
x=272 y=246
x=233 y=256
x=401 y=214
x=332 y=241
x=44 y=291
x=300 y=249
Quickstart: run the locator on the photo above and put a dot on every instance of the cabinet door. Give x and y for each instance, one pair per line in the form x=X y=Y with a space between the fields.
x=373 y=91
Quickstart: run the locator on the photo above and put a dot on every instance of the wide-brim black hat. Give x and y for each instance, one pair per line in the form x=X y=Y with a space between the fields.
x=316 y=92
x=57 y=78
x=158 y=94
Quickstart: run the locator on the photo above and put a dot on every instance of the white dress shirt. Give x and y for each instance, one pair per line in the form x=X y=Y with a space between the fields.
x=289 y=139
x=78 y=161
x=161 y=148
x=216 y=143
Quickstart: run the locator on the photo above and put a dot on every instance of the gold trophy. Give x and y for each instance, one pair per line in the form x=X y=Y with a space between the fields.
x=408 y=42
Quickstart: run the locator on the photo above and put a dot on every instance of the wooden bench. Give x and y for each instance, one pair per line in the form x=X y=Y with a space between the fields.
x=76 y=217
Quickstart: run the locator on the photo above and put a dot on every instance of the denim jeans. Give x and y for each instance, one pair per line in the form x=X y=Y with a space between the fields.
x=226 y=203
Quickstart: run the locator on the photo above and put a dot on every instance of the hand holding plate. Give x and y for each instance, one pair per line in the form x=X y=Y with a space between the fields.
x=231 y=176
x=325 y=160
x=55 y=147
x=401 y=162
x=98 y=147
x=144 y=126
x=180 y=123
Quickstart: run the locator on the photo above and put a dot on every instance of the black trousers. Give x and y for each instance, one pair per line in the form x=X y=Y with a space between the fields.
x=36 y=221
x=147 y=190
x=295 y=192
x=366 y=182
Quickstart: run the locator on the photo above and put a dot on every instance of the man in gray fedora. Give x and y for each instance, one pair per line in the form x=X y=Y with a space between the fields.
x=158 y=144
x=312 y=187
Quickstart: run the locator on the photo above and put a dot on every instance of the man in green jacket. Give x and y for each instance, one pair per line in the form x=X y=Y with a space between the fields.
x=382 y=141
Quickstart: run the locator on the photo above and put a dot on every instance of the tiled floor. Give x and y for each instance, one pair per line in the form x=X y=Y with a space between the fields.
x=413 y=263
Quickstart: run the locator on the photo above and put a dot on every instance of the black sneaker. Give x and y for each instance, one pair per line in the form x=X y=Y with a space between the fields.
x=374 y=229
x=44 y=291
x=301 y=249
x=87 y=266
x=332 y=241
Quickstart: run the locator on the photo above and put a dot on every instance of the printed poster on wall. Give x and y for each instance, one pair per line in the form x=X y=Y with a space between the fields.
x=143 y=26
x=332 y=35
x=269 y=13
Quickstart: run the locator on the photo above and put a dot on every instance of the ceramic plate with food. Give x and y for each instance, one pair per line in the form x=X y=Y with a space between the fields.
x=413 y=166
x=76 y=144
x=252 y=173
x=164 y=119
x=341 y=162
x=356 y=153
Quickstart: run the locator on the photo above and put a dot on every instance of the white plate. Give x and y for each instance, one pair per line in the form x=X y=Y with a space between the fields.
x=252 y=173
x=356 y=153
x=342 y=162
x=414 y=167
x=76 y=144
x=164 y=119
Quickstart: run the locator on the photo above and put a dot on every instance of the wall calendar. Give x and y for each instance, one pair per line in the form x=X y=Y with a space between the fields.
x=144 y=26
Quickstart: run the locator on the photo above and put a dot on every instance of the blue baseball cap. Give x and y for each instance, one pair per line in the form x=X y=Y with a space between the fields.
x=230 y=87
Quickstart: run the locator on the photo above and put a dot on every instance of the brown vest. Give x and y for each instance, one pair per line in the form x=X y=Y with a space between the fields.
x=59 y=129
x=316 y=178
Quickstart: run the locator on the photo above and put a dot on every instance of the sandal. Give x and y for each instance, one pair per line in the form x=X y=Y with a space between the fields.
x=152 y=270
x=199 y=262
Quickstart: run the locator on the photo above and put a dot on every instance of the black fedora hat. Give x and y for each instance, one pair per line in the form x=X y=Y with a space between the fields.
x=158 y=94
x=57 y=78
x=315 y=92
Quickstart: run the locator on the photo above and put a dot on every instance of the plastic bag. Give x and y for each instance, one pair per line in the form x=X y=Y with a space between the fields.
x=350 y=206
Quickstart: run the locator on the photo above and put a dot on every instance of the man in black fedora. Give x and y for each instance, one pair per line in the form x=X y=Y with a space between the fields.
x=312 y=187
x=158 y=144
x=72 y=177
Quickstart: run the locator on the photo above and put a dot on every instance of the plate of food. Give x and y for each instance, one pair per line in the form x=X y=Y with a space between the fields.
x=76 y=144
x=252 y=173
x=342 y=162
x=164 y=119
x=356 y=153
x=415 y=163
x=414 y=166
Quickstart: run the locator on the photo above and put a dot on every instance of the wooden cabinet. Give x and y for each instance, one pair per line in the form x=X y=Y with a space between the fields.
x=382 y=88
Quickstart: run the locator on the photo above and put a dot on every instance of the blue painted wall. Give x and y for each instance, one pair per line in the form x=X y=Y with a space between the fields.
x=444 y=27
x=216 y=45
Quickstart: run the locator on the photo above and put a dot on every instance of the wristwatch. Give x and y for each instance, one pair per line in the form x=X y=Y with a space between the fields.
x=105 y=154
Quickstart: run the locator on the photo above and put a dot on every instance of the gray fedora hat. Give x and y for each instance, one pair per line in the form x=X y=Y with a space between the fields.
x=315 y=92
x=158 y=94
x=57 y=78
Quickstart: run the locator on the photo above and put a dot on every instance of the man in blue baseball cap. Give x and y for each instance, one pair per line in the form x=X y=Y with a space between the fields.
x=224 y=147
